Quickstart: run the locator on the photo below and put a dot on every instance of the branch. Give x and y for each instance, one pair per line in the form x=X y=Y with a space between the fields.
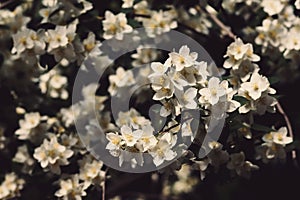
x=229 y=33
x=103 y=186
x=223 y=27
x=288 y=123
x=4 y=4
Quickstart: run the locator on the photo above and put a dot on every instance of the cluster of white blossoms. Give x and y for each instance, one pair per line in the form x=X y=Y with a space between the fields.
x=281 y=32
x=14 y=20
x=120 y=80
x=185 y=183
x=115 y=26
x=246 y=79
x=52 y=154
x=137 y=136
x=183 y=83
x=71 y=189
x=11 y=186
x=32 y=127
x=218 y=157
x=155 y=22
x=75 y=187
x=159 y=22
x=28 y=44
x=54 y=84
x=195 y=20
x=273 y=148
x=56 y=139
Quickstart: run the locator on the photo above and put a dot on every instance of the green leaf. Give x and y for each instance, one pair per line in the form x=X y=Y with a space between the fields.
x=262 y=128
x=274 y=80
x=241 y=100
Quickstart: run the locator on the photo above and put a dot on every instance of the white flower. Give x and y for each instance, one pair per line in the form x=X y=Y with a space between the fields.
x=231 y=104
x=141 y=8
x=31 y=127
x=121 y=79
x=145 y=54
x=272 y=7
x=187 y=99
x=161 y=84
x=271 y=32
x=278 y=137
x=162 y=151
x=160 y=22
x=158 y=68
x=201 y=71
x=54 y=84
x=91 y=45
x=273 y=146
x=115 y=25
x=49 y=3
x=297 y=4
x=22 y=41
x=127 y=3
x=57 y=38
x=257 y=85
x=183 y=59
x=292 y=40
x=242 y=168
x=213 y=92
x=265 y=103
x=22 y=156
x=90 y=171
x=159 y=81
x=71 y=189
x=52 y=154
x=69 y=115
x=164 y=93
x=115 y=143
x=69 y=140
x=243 y=73
x=133 y=159
x=2 y=138
x=132 y=118
x=186 y=129
x=287 y=16
x=65 y=54
x=89 y=91
x=130 y=137
x=11 y=186
x=237 y=52
x=170 y=106
x=147 y=139
x=217 y=156
x=177 y=79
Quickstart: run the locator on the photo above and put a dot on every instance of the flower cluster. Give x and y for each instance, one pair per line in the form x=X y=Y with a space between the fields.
x=150 y=109
x=11 y=186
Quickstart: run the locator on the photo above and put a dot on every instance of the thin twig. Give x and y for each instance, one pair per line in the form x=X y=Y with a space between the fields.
x=223 y=27
x=103 y=185
x=288 y=123
x=4 y=4
x=229 y=33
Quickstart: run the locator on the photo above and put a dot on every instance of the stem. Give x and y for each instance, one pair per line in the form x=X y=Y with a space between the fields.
x=4 y=4
x=288 y=123
x=229 y=33
x=223 y=27
x=103 y=186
